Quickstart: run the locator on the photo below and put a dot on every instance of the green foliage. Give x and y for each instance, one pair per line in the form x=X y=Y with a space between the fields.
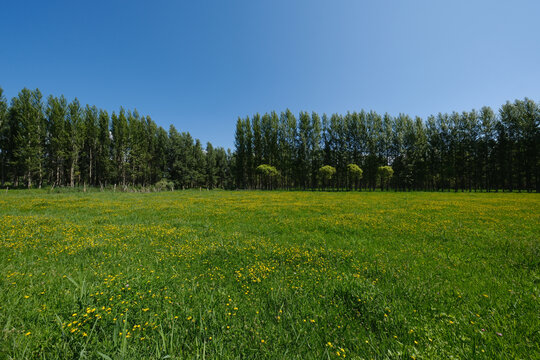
x=60 y=144
x=267 y=175
x=385 y=174
x=354 y=171
x=326 y=173
x=267 y=170
x=27 y=137
x=4 y=137
x=164 y=184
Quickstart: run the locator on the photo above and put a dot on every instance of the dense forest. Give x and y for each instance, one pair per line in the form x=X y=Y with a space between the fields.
x=472 y=151
x=53 y=142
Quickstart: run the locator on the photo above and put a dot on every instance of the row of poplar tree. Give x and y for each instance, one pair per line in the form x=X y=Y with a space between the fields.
x=476 y=150
x=54 y=142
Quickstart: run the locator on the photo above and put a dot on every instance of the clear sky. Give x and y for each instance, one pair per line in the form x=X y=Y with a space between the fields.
x=201 y=64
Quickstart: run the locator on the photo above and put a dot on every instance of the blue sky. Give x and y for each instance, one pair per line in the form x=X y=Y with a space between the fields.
x=201 y=64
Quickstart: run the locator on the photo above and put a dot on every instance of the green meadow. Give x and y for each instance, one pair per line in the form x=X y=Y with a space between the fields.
x=269 y=275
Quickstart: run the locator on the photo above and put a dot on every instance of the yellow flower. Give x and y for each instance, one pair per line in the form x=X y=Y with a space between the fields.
x=28 y=333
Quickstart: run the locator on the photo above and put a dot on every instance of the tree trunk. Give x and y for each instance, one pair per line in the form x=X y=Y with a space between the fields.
x=72 y=174
x=57 y=182
x=90 y=170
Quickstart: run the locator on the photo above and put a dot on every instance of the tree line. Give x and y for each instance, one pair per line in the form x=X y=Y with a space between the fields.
x=468 y=151
x=53 y=142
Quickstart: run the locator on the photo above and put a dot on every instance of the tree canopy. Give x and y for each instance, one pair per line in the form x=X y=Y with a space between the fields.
x=55 y=142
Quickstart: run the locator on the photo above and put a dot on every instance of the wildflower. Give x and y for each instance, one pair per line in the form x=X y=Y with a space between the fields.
x=27 y=334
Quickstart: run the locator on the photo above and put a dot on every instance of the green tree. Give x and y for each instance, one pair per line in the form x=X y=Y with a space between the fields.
x=240 y=159
x=103 y=151
x=120 y=138
x=198 y=168
x=385 y=173
x=4 y=137
x=287 y=146
x=304 y=150
x=75 y=133
x=224 y=179
x=27 y=128
x=486 y=147
x=211 y=169
x=162 y=166
x=267 y=173
x=90 y=143
x=354 y=173
x=248 y=153
x=57 y=138
x=256 y=126
x=316 y=151
x=326 y=173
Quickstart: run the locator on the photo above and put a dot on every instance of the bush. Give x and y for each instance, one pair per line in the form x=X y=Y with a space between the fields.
x=164 y=184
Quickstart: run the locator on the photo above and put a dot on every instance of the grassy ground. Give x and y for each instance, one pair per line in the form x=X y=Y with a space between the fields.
x=269 y=275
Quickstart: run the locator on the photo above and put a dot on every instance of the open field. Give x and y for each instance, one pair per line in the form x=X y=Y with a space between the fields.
x=269 y=275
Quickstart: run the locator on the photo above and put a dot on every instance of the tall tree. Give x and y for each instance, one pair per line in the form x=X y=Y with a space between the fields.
x=4 y=135
x=120 y=138
x=75 y=133
x=248 y=152
x=90 y=143
x=303 y=150
x=240 y=159
x=316 y=150
x=211 y=169
x=103 y=150
x=27 y=128
x=57 y=138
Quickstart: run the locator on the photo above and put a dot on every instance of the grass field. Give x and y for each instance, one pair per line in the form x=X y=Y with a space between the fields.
x=269 y=275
